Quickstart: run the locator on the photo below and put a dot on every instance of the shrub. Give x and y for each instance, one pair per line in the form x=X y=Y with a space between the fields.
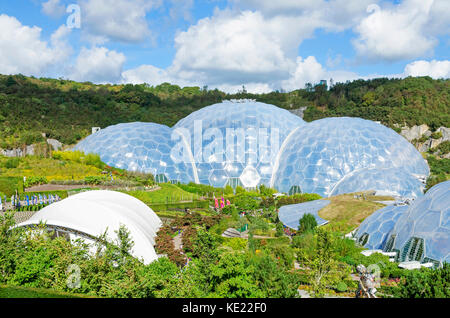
x=279 y=230
x=297 y=198
x=9 y=185
x=426 y=283
x=188 y=238
x=307 y=223
x=95 y=180
x=239 y=190
x=229 y=209
x=341 y=287
x=12 y=163
x=31 y=181
x=436 y=135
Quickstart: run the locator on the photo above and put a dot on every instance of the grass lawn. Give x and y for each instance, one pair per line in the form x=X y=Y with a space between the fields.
x=26 y=292
x=168 y=193
x=346 y=213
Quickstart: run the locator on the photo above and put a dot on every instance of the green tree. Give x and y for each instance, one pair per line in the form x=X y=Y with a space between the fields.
x=307 y=223
x=233 y=277
x=322 y=267
x=274 y=279
x=279 y=230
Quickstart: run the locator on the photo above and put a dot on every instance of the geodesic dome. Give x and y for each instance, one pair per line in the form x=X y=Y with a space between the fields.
x=391 y=181
x=143 y=147
x=374 y=230
x=239 y=141
x=323 y=154
x=423 y=232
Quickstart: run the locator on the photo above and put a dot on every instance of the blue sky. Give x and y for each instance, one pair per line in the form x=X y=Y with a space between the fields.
x=262 y=44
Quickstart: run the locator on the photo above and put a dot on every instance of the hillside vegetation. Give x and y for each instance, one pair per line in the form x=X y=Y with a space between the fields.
x=66 y=110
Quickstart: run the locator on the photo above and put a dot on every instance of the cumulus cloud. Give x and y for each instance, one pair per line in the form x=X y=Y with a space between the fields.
x=147 y=74
x=232 y=48
x=434 y=69
x=23 y=51
x=333 y=15
x=118 y=20
x=98 y=65
x=306 y=71
x=53 y=8
x=439 y=22
x=242 y=46
x=396 y=32
x=181 y=9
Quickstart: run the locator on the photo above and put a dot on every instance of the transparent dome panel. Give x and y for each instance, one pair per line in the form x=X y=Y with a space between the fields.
x=428 y=219
x=142 y=147
x=242 y=138
x=392 y=181
x=379 y=224
x=323 y=153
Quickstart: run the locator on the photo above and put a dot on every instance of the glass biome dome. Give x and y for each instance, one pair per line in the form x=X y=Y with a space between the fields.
x=391 y=181
x=318 y=156
x=374 y=230
x=236 y=142
x=143 y=147
x=423 y=232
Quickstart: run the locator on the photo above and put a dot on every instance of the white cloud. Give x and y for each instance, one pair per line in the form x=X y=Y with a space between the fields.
x=232 y=48
x=439 y=22
x=23 y=51
x=333 y=15
x=181 y=9
x=434 y=69
x=307 y=71
x=259 y=48
x=396 y=32
x=98 y=65
x=53 y=8
x=147 y=74
x=118 y=20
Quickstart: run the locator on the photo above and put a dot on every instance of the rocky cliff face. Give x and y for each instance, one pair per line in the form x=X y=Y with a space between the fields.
x=424 y=139
x=298 y=111
x=29 y=150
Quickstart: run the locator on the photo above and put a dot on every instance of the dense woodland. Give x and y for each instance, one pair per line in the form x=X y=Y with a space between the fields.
x=66 y=110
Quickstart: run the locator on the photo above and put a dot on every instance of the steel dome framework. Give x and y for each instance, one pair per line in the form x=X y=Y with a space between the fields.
x=248 y=143
x=422 y=233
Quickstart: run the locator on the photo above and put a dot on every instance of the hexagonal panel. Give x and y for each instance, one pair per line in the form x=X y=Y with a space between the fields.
x=250 y=177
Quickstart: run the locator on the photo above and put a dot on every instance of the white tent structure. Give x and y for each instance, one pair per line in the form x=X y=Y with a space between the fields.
x=88 y=215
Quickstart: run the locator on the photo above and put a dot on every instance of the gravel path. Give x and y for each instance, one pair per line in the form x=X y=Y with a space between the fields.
x=177 y=242
x=20 y=217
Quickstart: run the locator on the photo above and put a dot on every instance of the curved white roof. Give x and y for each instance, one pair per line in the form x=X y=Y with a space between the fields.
x=95 y=212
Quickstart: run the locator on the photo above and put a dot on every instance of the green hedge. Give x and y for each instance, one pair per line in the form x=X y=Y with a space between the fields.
x=61 y=193
x=31 y=208
x=9 y=185
x=181 y=205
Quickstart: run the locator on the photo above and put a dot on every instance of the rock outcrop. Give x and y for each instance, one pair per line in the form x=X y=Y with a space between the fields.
x=424 y=139
x=33 y=149
x=298 y=111
x=56 y=145
x=415 y=132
